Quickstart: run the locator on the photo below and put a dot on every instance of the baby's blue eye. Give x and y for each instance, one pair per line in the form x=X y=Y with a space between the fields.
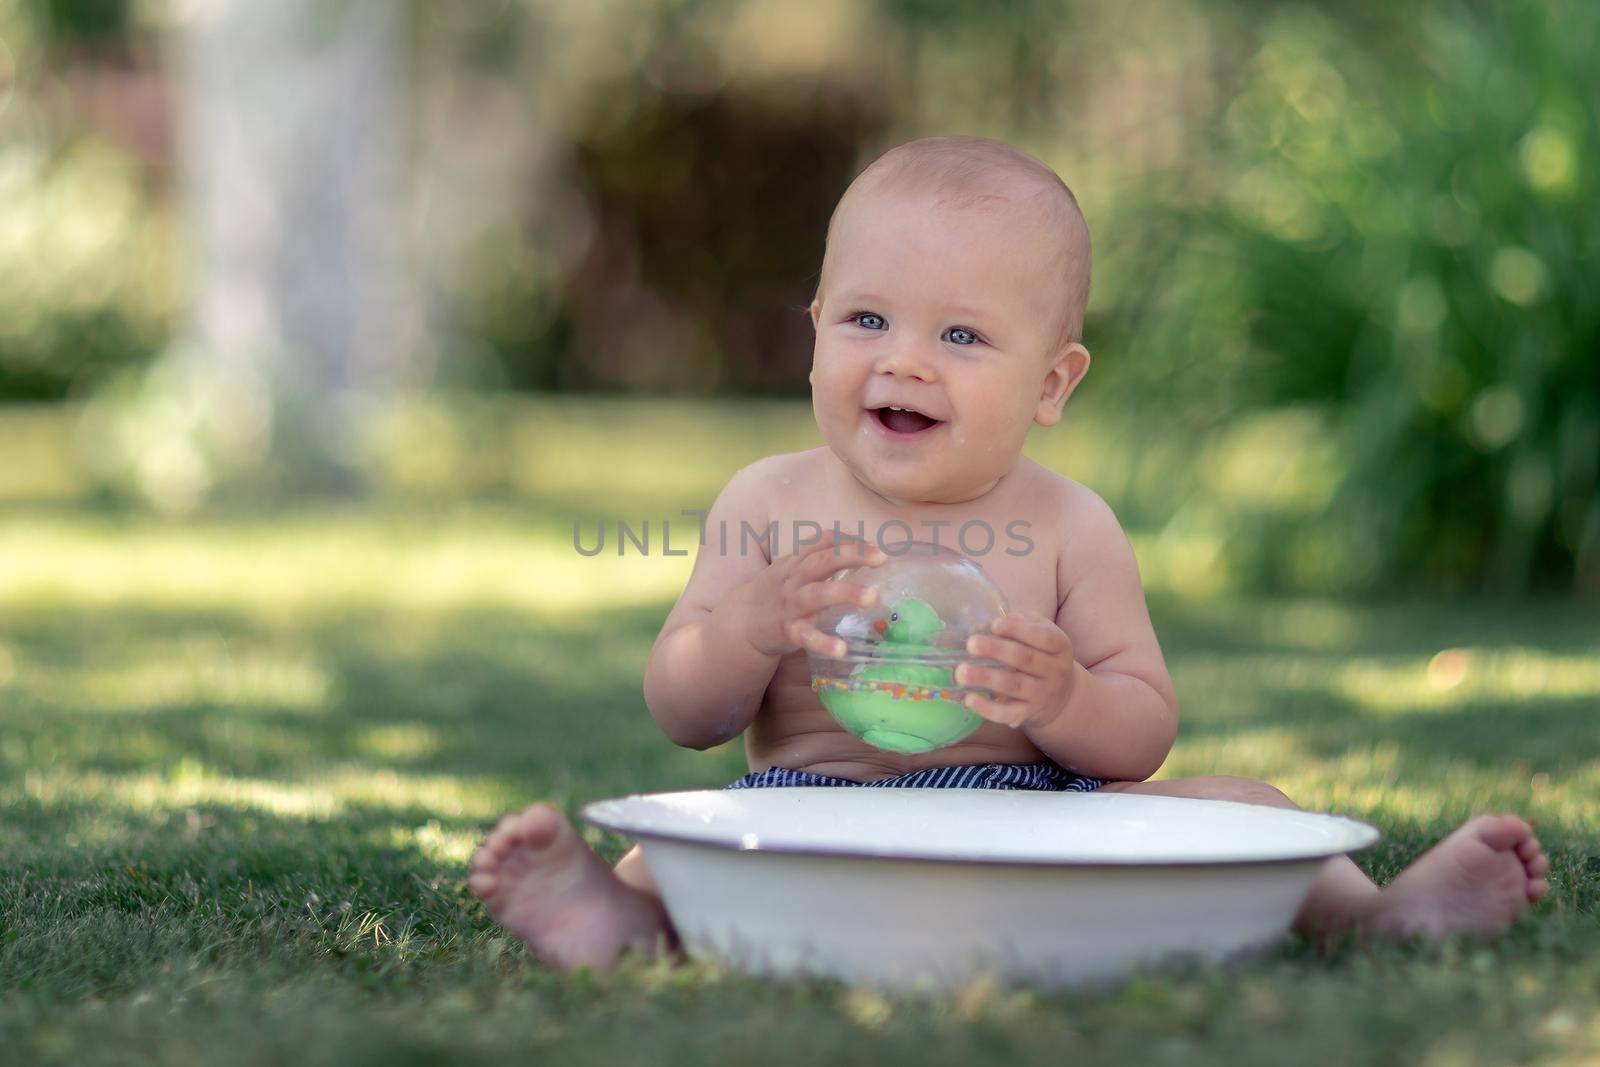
x=960 y=336
x=868 y=320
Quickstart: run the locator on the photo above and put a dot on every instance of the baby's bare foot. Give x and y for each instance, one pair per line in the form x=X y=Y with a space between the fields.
x=550 y=889
x=1478 y=880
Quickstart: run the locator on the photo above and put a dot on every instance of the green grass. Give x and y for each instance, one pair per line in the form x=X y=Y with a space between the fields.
x=243 y=760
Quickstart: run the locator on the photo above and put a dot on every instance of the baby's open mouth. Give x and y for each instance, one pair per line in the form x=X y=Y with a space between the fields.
x=904 y=420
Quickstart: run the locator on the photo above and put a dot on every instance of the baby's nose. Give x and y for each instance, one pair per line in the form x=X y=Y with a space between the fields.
x=906 y=360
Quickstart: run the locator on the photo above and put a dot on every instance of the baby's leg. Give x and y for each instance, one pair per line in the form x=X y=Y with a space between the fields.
x=631 y=869
x=551 y=890
x=1478 y=880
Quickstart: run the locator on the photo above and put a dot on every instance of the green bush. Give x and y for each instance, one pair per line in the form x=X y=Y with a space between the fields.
x=1398 y=229
x=87 y=284
x=88 y=256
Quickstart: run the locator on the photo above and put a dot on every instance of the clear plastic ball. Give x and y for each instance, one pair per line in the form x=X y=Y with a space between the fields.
x=895 y=685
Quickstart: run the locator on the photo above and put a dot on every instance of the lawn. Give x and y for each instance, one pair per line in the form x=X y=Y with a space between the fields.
x=244 y=759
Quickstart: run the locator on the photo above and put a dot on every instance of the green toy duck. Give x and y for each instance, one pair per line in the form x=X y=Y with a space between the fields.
x=901 y=705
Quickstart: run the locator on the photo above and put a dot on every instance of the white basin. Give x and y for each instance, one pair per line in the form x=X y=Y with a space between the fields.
x=930 y=888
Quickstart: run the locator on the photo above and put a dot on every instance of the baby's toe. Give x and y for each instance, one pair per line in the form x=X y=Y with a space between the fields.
x=486 y=860
x=1501 y=832
x=502 y=838
x=496 y=847
x=1538 y=866
x=535 y=827
x=482 y=884
x=1530 y=849
x=1537 y=888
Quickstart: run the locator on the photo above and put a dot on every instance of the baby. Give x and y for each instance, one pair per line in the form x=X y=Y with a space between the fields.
x=948 y=319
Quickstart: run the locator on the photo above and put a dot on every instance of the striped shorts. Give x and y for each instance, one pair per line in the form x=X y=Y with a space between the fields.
x=1043 y=776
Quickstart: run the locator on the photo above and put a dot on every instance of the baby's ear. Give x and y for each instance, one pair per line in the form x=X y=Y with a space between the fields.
x=816 y=312
x=1066 y=371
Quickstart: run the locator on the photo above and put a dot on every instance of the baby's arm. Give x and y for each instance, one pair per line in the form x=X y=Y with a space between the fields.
x=1122 y=715
x=704 y=680
x=739 y=614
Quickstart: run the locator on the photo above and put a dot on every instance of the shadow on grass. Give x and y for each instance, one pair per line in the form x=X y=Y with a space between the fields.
x=539 y=707
x=532 y=707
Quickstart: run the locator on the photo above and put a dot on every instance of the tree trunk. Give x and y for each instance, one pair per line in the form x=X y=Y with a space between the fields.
x=296 y=333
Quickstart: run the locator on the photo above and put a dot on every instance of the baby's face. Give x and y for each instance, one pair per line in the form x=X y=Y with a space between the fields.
x=951 y=315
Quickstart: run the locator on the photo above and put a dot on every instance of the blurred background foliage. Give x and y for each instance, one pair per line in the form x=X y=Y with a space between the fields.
x=1344 y=315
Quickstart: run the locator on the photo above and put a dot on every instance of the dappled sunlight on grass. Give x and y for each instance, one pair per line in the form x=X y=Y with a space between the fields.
x=1384 y=781
x=1406 y=685
x=285 y=734
x=1506 y=674
x=1257 y=753
x=141 y=674
x=253 y=746
x=451 y=848
x=464 y=661
x=383 y=719
x=1389 y=725
x=317 y=563
x=402 y=741
x=328 y=793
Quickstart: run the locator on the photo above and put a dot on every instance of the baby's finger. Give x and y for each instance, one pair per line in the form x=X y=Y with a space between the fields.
x=1030 y=629
x=996 y=680
x=800 y=551
x=1024 y=658
x=813 y=597
x=812 y=639
x=824 y=541
x=828 y=558
x=1007 y=714
x=856 y=550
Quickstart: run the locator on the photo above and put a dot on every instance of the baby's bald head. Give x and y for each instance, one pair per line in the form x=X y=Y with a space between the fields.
x=975 y=173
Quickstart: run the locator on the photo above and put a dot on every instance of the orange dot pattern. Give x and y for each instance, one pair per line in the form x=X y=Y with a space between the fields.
x=896 y=690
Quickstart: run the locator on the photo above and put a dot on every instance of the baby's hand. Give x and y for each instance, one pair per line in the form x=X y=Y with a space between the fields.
x=779 y=602
x=1041 y=685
